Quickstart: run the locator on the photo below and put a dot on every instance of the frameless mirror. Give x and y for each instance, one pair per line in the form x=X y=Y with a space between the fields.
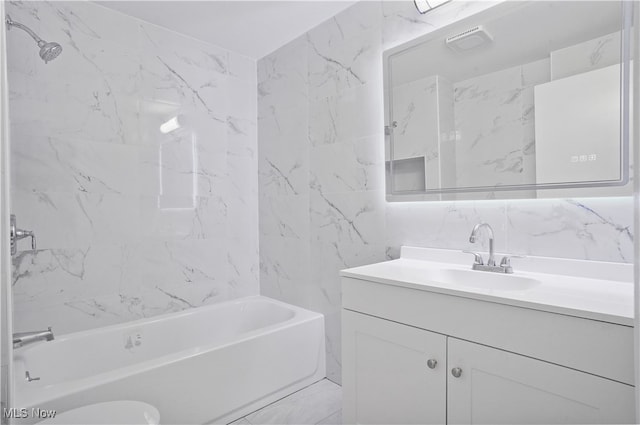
x=523 y=100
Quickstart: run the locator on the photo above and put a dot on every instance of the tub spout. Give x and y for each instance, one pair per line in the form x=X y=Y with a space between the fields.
x=24 y=338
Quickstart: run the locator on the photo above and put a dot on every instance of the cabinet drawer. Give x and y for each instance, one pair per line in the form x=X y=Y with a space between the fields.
x=600 y=348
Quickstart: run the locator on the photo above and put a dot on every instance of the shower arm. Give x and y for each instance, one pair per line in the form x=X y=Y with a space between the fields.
x=28 y=30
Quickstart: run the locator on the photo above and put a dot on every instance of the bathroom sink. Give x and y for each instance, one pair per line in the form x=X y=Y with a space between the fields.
x=486 y=280
x=589 y=289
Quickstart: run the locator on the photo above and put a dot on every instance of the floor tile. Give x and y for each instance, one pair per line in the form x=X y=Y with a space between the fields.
x=308 y=406
x=335 y=419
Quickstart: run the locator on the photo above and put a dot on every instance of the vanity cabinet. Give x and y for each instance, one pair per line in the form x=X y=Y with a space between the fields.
x=394 y=373
x=402 y=348
x=499 y=387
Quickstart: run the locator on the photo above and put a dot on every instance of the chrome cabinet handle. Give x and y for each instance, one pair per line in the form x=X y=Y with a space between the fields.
x=432 y=363
x=456 y=372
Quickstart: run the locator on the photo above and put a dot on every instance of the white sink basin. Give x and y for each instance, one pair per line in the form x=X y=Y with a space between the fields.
x=485 y=280
x=590 y=289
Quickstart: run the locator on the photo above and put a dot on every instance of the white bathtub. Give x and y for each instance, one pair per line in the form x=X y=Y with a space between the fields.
x=212 y=364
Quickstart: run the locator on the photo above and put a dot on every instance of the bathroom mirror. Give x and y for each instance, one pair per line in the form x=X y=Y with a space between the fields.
x=523 y=100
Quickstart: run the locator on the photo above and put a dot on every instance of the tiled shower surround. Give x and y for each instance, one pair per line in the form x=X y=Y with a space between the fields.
x=321 y=182
x=130 y=221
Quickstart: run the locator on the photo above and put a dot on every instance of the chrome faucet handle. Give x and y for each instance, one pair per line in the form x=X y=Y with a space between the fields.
x=505 y=263
x=478 y=257
x=17 y=234
x=506 y=260
x=21 y=234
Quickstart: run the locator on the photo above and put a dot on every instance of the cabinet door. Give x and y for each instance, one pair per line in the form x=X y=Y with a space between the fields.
x=386 y=377
x=498 y=387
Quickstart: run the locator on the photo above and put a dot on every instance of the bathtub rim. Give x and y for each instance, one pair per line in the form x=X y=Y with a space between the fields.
x=41 y=395
x=177 y=314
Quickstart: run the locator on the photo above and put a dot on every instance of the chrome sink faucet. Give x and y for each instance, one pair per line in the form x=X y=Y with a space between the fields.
x=25 y=338
x=474 y=235
x=490 y=266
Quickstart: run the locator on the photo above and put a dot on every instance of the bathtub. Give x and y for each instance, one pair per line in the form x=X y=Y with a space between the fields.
x=211 y=364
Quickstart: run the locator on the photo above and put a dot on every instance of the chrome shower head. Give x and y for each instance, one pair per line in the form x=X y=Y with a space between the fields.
x=48 y=50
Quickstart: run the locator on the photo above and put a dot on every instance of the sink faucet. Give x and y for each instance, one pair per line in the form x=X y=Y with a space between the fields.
x=25 y=338
x=478 y=264
x=474 y=235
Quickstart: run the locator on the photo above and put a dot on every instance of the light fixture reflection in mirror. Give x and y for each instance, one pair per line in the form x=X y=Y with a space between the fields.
x=424 y=6
x=172 y=125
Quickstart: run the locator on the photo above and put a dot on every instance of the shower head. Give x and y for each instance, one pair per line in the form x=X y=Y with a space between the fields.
x=48 y=50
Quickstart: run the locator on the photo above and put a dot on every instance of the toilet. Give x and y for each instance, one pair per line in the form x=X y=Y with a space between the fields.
x=112 y=413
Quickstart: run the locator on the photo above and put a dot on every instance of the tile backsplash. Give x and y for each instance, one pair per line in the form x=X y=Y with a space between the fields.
x=321 y=171
x=132 y=219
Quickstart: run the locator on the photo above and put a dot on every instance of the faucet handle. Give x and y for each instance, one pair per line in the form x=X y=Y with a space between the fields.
x=478 y=257
x=505 y=263
x=506 y=260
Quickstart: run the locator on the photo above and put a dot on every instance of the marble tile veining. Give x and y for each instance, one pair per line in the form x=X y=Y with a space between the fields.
x=320 y=109
x=133 y=219
x=134 y=222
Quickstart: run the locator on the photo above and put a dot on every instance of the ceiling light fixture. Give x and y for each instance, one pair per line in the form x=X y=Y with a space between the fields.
x=424 y=6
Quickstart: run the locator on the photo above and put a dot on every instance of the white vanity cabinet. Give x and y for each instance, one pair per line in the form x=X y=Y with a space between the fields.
x=403 y=345
x=499 y=387
x=393 y=373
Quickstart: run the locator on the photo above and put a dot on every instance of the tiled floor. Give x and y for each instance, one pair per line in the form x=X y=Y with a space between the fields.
x=319 y=403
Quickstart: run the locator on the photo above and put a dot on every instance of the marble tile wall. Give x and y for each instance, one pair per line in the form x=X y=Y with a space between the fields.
x=488 y=115
x=425 y=108
x=415 y=109
x=494 y=118
x=131 y=222
x=321 y=175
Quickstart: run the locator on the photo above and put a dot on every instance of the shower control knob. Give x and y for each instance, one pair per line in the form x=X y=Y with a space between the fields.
x=432 y=363
x=17 y=234
x=456 y=372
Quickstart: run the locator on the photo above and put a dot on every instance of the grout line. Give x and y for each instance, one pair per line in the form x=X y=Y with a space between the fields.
x=283 y=398
x=325 y=418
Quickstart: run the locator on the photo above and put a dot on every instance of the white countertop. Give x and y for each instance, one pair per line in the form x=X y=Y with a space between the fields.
x=588 y=289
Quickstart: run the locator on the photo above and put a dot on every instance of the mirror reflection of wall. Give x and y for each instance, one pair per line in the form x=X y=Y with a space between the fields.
x=423 y=112
x=519 y=96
